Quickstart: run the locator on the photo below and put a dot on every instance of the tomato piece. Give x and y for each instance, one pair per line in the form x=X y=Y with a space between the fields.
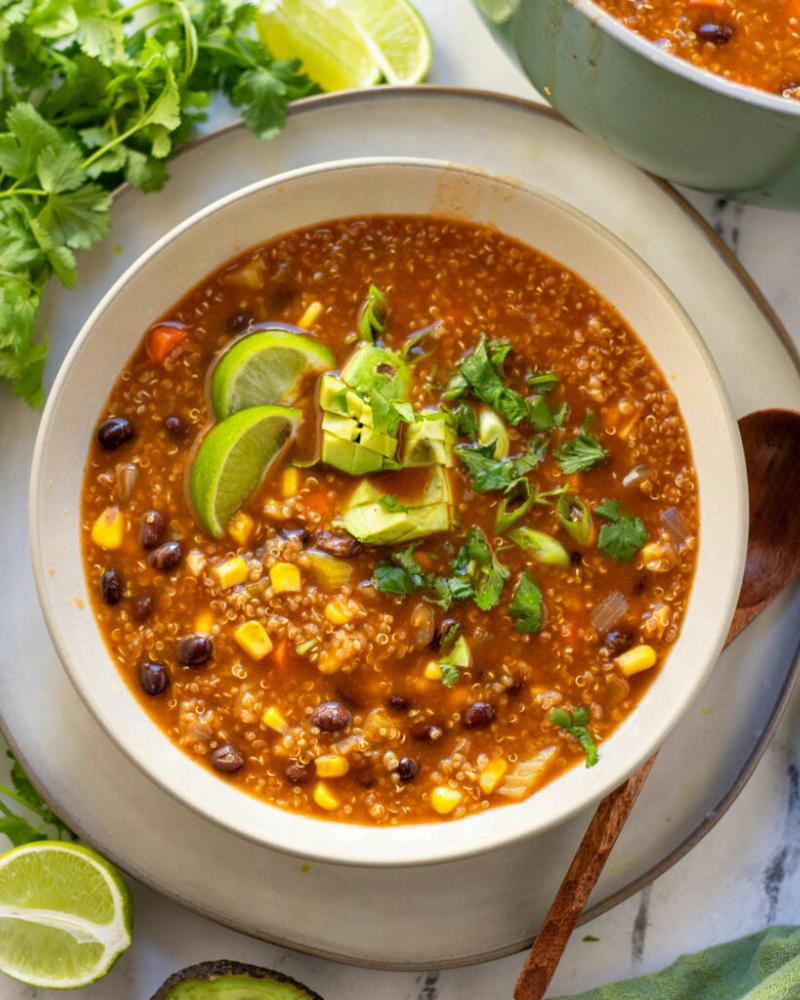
x=162 y=341
x=318 y=503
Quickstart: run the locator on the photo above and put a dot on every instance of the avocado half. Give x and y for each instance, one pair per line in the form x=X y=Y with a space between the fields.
x=223 y=980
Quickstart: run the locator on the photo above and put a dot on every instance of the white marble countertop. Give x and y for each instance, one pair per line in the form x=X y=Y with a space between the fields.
x=741 y=877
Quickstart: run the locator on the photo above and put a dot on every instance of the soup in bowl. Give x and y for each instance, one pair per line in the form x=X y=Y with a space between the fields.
x=388 y=512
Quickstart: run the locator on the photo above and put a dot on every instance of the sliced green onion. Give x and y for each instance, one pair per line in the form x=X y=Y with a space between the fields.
x=543 y=547
x=491 y=427
x=514 y=505
x=575 y=517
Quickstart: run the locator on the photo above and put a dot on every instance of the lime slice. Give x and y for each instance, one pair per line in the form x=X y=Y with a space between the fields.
x=397 y=37
x=263 y=368
x=234 y=457
x=323 y=38
x=499 y=11
x=65 y=915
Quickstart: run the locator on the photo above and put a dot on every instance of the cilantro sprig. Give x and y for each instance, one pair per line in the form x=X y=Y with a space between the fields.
x=527 y=606
x=580 y=453
x=89 y=99
x=576 y=723
x=623 y=536
x=20 y=830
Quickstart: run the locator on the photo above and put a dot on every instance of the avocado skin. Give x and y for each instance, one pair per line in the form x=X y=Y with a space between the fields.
x=197 y=981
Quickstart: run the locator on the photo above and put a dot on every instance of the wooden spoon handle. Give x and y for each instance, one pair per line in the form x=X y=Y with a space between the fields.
x=577 y=886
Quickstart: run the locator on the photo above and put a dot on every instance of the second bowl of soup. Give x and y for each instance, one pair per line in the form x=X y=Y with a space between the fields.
x=387 y=490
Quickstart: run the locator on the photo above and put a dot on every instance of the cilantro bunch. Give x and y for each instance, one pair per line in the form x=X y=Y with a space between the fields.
x=17 y=828
x=93 y=94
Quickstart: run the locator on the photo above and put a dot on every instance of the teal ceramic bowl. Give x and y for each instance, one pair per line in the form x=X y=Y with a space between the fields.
x=682 y=123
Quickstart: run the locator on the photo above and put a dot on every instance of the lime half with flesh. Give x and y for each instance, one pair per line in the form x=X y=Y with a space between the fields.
x=263 y=368
x=396 y=35
x=65 y=915
x=324 y=39
x=233 y=459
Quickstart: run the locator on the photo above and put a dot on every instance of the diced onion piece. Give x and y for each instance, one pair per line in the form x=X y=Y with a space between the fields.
x=675 y=525
x=524 y=775
x=609 y=611
x=637 y=475
x=125 y=475
x=423 y=623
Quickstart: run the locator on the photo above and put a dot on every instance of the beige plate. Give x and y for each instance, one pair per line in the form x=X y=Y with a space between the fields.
x=269 y=894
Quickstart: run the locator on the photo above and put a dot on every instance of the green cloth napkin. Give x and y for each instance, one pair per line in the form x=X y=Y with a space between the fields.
x=762 y=966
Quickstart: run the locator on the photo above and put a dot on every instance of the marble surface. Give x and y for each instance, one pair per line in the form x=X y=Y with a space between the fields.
x=742 y=876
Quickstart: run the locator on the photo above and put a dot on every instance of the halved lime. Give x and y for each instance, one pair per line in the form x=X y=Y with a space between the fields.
x=233 y=459
x=264 y=368
x=499 y=11
x=65 y=915
x=397 y=37
x=322 y=37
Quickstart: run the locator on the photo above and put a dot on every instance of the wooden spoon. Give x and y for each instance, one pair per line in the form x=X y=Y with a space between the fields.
x=771 y=440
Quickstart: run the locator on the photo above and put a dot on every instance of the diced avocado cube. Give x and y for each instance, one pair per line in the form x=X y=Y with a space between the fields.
x=459 y=655
x=376 y=441
x=341 y=427
x=333 y=394
x=378 y=370
x=373 y=524
x=358 y=408
x=429 y=520
x=350 y=457
x=429 y=441
x=437 y=488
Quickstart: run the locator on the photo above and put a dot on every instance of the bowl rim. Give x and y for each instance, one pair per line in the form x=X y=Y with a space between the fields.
x=671 y=63
x=427 y=852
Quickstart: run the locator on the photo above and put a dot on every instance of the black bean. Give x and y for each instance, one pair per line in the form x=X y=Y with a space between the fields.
x=143 y=607
x=114 y=432
x=238 y=322
x=618 y=641
x=331 y=717
x=166 y=556
x=298 y=774
x=153 y=678
x=176 y=427
x=398 y=703
x=478 y=715
x=282 y=295
x=365 y=775
x=407 y=769
x=111 y=586
x=446 y=634
x=337 y=543
x=718 y=33
x=195 y=649
x=151 y=528
x=227 y=758
x=575 y=558
x=427 y=732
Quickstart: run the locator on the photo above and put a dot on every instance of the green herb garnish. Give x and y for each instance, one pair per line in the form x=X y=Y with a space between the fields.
x=488 y=575
x=390 y=502
x=450 y=674
x=542 y=382
x=624 y=536
x=18 y=829
x=580 y=453
x=576 y=723
x=372 y=315
x=465 y=420
x=527 y=605
x=488 y=473
x=480 y=369
x=89 y=100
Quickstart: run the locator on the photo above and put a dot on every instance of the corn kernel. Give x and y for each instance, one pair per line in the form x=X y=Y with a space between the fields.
x=329 y=664
x=253 y=639
x=324 y=797
x=290 y=481
x=444 y=800
x=204 y=621
x=108 y=530
x=433 y=671
x=340 y=611
x=331 y=765
x=636 y=659
x=230 y=572
x=273 y=717
x=311 y=315
x=491 y=776
x=285 y=578
x=241 y=528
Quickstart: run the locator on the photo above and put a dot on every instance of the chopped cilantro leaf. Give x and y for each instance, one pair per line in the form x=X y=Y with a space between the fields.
x=542 y=382
x=372 y=316
x=488 y=574
x=527 y=605
x=489 y=473
x=622 y=538
x=576 y=723
x=393 y=580
x=580 y=453
x=390 y=502
x=465 y=420
x=450 y=674
x=480 y=370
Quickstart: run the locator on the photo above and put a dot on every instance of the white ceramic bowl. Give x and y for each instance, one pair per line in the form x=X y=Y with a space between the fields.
x=301 y=198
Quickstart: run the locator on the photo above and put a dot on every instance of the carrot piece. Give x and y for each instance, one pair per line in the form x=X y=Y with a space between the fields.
x=162 y=340
x=318 y=503
x=713 y=5
x=424 y=560
x=280 y=655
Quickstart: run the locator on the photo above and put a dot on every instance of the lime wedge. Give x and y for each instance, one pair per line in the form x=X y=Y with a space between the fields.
x=263 y=368
x=397 y=37
x=322 y=37
x=233 y=459
x=499 y=11
x=65 y=915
